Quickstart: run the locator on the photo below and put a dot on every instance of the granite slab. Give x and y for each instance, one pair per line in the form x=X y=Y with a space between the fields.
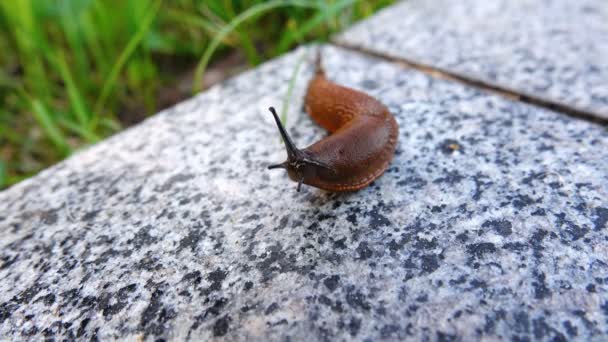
x=555 y=50
x=490 y=223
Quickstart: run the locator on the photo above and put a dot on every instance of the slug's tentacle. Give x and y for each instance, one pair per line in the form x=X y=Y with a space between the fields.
x=278 y=166
x=299 y=164
x=360 y=148
x=292 y=150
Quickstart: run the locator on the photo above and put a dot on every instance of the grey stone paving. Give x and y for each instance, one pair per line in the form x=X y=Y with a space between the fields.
x=491 y=222
x=551 y=49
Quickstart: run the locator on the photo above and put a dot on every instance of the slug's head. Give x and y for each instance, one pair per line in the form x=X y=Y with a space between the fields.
x=300 y=165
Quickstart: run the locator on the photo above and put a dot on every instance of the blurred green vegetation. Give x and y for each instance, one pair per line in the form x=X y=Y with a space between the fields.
x=76 y=71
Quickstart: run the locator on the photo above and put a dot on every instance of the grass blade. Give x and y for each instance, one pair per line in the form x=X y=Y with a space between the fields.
x=77 y=102
x=291 y=85
x=77 y=129
x=48 y=125
x=3 y=180
x=126 y=53
x=295 y=36
x=191 y=19
x=89 y=30
x=250 y=12
x=249 y=48
x=71 y=23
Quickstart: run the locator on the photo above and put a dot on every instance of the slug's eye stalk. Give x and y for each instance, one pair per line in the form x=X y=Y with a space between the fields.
x=295 y=158
x=300 y=165
x=278 y=166
x=292 y=150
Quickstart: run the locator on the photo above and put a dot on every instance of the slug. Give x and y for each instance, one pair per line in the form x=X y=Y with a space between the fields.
x=361 y=144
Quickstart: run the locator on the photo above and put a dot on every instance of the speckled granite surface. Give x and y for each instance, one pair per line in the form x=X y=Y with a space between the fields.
x=552 y=49
x=491 y=222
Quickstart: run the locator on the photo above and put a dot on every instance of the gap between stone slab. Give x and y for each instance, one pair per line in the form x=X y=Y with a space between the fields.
x=505 y=92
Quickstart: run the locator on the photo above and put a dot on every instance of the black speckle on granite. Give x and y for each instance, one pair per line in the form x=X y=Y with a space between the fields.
x=193 y=277
x=539 y=212
x=376 y=217
x=143 y=237
x=28 y=294
x=540 y=287
x=216 y=308
x=216 y=278
x=248 y=286
x=331 y=282
x=48 y=300
x=437 y=208
x=354 y=325
x=571 y=330
x=522 y=201
x=113 y=303
x=515 y=246
x=82 y=327
x=429 y=263
x=569 y=230
x=156 y=315
x=191 y=240
x=413 y=182
x=89 y=216
x=462 y=237
x=363 y=251
x=389 y=330
x=502 y=227
x=340 y=244
x=479 y=250
x=451 y=177
x=601 y=218
x=356 y=299
x=461 y=280
x=6 y=310
x=424 y=244
x=221 y=326
x=352 y=217
x=536 y=241
x=271 y=308
x=445 y=337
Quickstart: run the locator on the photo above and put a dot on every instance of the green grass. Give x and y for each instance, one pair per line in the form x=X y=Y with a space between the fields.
x=76 y=71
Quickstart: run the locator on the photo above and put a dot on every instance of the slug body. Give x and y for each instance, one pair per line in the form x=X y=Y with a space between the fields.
x=361 y=144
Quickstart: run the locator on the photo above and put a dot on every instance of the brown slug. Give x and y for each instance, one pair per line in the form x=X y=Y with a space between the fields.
x=360 y=147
